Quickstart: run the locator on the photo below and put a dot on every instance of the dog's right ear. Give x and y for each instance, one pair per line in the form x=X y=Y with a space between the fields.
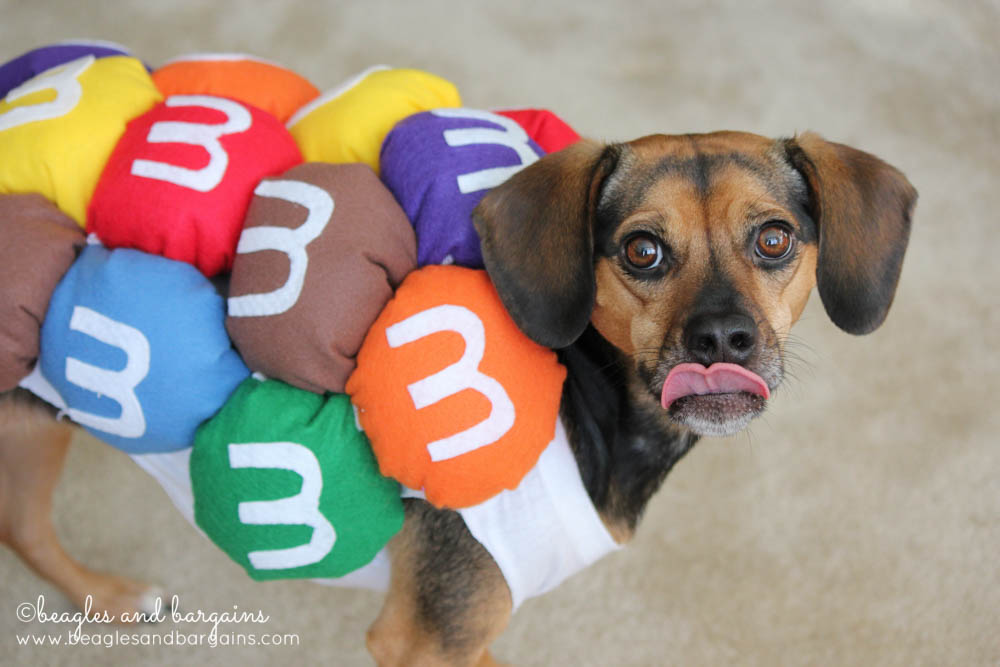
x=536 y=234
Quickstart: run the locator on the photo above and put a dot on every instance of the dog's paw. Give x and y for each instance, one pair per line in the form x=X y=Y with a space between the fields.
x=127 y=602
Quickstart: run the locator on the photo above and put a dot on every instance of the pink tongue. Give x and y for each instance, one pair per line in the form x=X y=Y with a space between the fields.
x=696 y=380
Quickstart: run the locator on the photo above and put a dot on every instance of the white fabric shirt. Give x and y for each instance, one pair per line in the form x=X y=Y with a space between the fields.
x=539 y=534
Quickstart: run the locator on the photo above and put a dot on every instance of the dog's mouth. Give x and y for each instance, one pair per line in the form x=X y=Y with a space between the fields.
x=717 y=400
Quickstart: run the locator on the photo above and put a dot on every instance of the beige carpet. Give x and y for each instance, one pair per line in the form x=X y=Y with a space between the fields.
x=857 y=524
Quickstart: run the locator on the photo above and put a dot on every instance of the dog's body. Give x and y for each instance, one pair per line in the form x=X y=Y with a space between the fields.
x=667 y=273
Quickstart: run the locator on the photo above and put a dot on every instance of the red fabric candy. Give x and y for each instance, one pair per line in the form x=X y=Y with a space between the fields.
x=179 y=182
x=548 y=130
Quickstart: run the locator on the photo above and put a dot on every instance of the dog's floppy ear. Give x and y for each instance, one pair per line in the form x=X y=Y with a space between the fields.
x=862 y=207
x=536 y=234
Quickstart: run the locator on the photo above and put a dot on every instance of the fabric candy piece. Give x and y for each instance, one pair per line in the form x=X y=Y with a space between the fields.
x=179 y=182
x=58 y=129
x=15 y=72
x=439 y=165
x=349 y=123
x=287 y=486
x=135 y=346
x=172 y=471
x=322 y=249
x=39 y=245
x=548 y=130
x=275 y=89
x=455 y=399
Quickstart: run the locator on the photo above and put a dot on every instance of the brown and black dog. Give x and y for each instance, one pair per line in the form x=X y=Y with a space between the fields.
x=638 y=262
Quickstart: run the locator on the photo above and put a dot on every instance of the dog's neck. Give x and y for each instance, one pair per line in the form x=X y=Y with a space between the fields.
x=623 y=442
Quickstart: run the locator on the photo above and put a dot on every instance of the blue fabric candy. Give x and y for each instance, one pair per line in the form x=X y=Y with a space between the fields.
x=136 y=348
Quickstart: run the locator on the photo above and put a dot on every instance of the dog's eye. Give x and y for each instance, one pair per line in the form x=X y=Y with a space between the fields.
x=774 y=241
x=643 y=251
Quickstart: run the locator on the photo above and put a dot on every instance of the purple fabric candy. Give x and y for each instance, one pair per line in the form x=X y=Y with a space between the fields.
x=33 y=63
x=439 y=164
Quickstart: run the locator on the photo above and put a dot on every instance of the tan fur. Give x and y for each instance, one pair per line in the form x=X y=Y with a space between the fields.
x=397 y=637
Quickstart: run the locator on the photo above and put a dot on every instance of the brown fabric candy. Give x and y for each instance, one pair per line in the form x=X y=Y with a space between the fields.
x=38 y=243
x=322 y=249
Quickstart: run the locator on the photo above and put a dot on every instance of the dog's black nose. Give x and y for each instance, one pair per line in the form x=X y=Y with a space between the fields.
x=721 y=338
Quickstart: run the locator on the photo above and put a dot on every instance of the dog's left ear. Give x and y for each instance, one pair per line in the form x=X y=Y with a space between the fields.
x=862 y=207
x=536 y=234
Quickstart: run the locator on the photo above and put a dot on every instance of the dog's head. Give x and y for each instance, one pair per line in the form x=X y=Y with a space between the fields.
x=695 y=254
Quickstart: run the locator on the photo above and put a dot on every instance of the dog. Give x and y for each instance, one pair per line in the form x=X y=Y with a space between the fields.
x=666 y=272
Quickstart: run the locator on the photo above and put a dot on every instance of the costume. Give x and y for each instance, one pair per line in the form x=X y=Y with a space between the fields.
x=252 y=294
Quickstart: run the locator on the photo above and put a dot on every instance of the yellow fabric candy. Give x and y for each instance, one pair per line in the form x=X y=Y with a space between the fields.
x=58 y=129
x=349 y=123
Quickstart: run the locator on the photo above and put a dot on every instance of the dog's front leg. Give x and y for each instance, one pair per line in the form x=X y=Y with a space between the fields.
x=447 y=601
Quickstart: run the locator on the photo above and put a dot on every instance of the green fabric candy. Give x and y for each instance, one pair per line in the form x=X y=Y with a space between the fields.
x=286 y=484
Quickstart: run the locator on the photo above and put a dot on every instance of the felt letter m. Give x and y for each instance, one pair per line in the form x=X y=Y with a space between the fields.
x=238 y=119
x=461 y=375
x=510 y=135
x=300 y=509
x=117 y=385
x=64 y=80
x=292 y=242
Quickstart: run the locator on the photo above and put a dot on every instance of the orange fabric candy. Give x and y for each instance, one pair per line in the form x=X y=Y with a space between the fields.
x=454 y=398
x=279 y=91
